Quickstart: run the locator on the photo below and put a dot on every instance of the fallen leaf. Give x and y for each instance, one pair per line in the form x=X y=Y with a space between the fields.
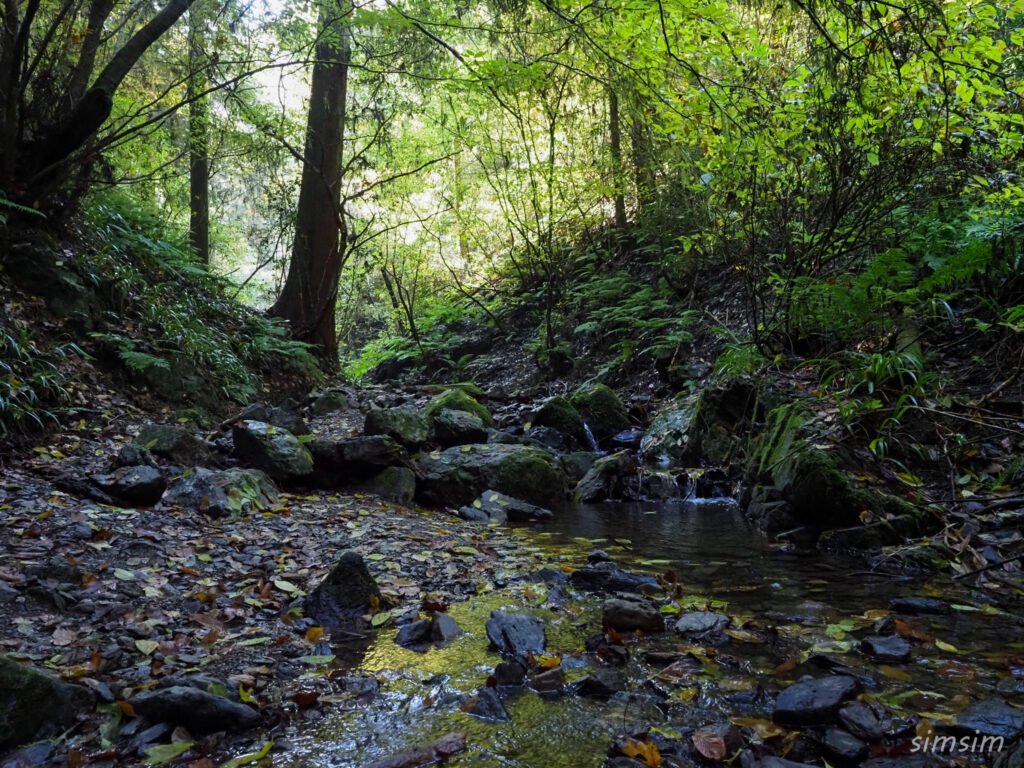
x=164 y=753
x=644 y=751
x=711 y=745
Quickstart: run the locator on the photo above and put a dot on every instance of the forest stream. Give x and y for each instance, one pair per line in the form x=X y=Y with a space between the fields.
x=793 y=613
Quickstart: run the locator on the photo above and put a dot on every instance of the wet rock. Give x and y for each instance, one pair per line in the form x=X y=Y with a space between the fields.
x=607 y=577
x=367 y=455
x=516 y=634
x=286 y=418
x=780 y=762
x=992 y=717
x=890 y=649
x=457 y=476
x=598 y=556
x=133 y=455
x=550 y=438
x=405 y=424
x=457 y=428
x=657 y=486
x=140 y=486
x=331 y=401
x=548 y=681
x=395 y=484
x=487 y=706
x=815 y=701
x=495 y=507
x=7 y=593
x=221 y=493
x=198 y=680
x=34 y=704
x=457 y=400
x=559 y=414
x=701 y=623
x=842 y=747
x=919 y=605
x=860 y=720
x=576 y=465
x=509 y=673
x=438 y=752
x=443 y=628
x=601 y=409
x=602 y=684
x=414 y=633
x=346 y=594
x=669 y=437
x=609 y=478
x=627 y=615
x=198 y=711
x=628 y=438
x=1013 y=757
x=173 y=443
x=276 y=451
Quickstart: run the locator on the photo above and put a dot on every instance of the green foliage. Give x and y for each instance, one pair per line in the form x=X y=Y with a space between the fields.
x=174 y=310
x=34 y=382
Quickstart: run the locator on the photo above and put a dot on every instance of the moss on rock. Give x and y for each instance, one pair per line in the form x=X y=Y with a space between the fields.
x=601 y=408
x=457 y=400
x=558 y=413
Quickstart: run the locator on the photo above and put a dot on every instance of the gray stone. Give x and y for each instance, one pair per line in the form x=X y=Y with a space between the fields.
x=814 y=702
x=222 y=493
x=627 y=615
x=140 y=486
x=516 y=634
x=276 y=451
x=414 y=633
x=346 y=594
x=173 y=443
x=701 y=622
x=919 y=605
x=487 y=706
x=405 y=424
x=843 y=748
x=457 y=476
x=34 y=704
x=457 y=428
x=369 y=454
x=443 y=628
x=509 y=674
x=395 y=484
x=608 y=478
x=199 y=711
x=889 y=649
x=495 y=507
x=331 y=401
x=860 y=720
x=992 y=717
x=607 y=577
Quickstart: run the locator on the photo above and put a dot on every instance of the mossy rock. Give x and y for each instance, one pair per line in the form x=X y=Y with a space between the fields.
x=601 y=408
x=407 y=424
x=558 y=413
x=669 y=437
x=457 y=476
x=607 y=478
x=34 y=704
x=395 y=484
x=276 y=451
x=457 y=400
x=467 y=387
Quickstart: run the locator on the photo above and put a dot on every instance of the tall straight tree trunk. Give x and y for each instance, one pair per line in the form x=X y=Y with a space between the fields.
x=198 y=145
x=643 y=171
x=615 y=142
x=310 y=290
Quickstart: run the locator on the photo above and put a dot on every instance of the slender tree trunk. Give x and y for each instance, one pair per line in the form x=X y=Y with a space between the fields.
x=643 y=171
x=463 y=240
x=615 y=141
x=310 y=290
x=198 y=146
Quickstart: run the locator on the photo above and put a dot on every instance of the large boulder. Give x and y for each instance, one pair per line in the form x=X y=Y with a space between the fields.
x=458 y=400
x=395 y=484
x=368 y=454
x=34 y=704
x=276 y=451
x=558 y=413
x=601 y=408
x=609 y=478
x=140 y=486
x=456 y=476
x=197 y=710
x=495 y=507
x=457 y=428
x=221 y=493
x=173 y=443
x=346 y=594
x=668 y=438
x=406 y=424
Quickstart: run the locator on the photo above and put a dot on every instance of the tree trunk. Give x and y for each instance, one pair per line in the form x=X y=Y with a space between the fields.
x=198 y=147
x=308 y=298
x=615 y=141
x=643 y=171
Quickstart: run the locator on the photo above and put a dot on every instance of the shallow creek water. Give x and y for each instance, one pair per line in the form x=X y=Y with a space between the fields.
x=794 y=609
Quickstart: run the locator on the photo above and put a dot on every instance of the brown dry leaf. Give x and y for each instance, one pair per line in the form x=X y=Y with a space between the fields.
x=911 y=631
x=743 y=635
x=925 y=729
x=765 y=729
x=644 y=751
x=895 y=674
x=710 y=745
x=787 y=666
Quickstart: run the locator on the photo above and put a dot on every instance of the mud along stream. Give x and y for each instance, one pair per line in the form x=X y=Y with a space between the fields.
x=926 y=657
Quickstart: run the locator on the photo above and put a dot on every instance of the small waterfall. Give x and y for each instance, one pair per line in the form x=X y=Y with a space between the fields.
x=591 y=442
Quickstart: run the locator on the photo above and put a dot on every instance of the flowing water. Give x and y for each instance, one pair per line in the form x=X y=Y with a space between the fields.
x=798 y=611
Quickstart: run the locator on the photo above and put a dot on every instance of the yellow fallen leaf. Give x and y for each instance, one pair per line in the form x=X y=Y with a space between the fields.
x=644 y=751
x=943 y=646
x=895 y=674
x=314 y=635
